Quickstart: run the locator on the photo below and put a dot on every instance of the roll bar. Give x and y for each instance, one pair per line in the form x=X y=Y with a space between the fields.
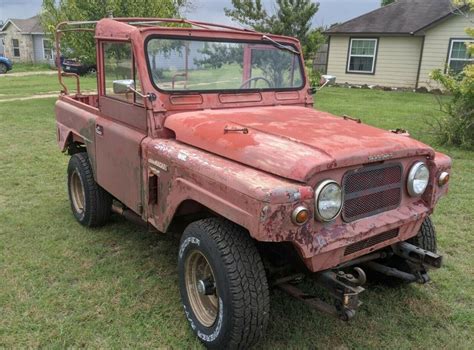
x=78 y=26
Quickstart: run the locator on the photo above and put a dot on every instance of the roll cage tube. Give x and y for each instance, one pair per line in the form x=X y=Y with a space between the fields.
x=89 y=26
x=60 y=29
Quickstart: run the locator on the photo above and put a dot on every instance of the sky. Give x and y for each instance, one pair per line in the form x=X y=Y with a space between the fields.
x=330 y=11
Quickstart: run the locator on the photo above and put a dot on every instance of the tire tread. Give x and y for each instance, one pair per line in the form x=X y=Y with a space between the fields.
x=248 y=282
x=100 y=200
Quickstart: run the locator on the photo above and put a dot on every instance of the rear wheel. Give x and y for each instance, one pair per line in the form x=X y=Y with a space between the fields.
x=3 y=68
x=90 y=203
x=223 y=284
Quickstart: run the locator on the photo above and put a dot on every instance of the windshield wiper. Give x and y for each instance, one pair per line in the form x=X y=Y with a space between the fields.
x=280 y=46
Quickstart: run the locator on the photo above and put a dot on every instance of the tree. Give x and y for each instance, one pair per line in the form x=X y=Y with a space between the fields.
x=81 y=45
x=291 y=17
x=386 y=2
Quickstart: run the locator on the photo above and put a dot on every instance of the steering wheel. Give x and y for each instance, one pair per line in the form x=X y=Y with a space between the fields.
x=255 y=79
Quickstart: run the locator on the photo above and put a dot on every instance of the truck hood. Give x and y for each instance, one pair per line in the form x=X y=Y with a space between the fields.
x=288 y=141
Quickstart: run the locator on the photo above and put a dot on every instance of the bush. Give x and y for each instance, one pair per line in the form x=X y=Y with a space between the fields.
x=457 y=127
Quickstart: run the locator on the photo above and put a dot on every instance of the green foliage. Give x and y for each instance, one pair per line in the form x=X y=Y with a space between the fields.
x=313 y=75
x=386 y=2
x=216 y=55
x=457 y=127
x=460 y=6
x=275 y=65
x=81 y=45
x=291 y=17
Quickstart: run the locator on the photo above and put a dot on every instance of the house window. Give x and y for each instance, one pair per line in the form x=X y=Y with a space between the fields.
x=459 y=55
x=47 y=49
x=16 y=47
x=362 y=53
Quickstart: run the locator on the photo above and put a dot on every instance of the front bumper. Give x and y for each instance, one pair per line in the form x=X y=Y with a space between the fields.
x=326 y=245
x=340 y=244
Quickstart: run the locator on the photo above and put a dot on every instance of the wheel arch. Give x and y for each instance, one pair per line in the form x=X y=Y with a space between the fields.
x=71 y=142
x=74 y=143
x=190 y=210
x=198 y=203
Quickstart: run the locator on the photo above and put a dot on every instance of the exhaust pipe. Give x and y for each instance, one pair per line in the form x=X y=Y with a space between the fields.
x=129 y=215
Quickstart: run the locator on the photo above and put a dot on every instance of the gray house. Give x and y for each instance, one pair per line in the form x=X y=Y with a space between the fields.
x=24 y=40
x=399 y=45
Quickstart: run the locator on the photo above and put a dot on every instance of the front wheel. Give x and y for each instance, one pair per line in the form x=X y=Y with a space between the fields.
x=223 y=284
x=426 y=237
x=92 y=70
x=3 y=68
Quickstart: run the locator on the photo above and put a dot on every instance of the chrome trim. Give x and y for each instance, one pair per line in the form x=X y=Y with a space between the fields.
x=317 y=192
x=295 y=212
x=411 y=176
x=442 y=178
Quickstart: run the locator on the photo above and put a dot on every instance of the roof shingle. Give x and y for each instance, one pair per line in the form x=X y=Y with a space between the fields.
x=400 y=17
x=29 y=25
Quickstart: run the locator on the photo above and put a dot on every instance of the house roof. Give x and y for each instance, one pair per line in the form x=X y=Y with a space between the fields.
x=29 y=25
x=400 y=17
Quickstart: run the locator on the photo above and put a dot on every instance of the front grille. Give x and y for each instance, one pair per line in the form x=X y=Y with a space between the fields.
x=371 y=190
x=369 y=242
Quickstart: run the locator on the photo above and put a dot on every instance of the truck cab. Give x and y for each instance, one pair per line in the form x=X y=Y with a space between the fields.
x=215 y=126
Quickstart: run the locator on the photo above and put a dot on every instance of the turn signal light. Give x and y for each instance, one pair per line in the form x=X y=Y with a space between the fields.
x=443 y=178
x=300 y=215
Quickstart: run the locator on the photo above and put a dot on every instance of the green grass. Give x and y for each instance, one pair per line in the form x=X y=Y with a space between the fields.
x=30 y=67
x=13 y=87
x=62 y=285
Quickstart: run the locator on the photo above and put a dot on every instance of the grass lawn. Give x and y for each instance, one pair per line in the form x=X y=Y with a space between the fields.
x=66 y=286
x=30 y=67
x=12 y=87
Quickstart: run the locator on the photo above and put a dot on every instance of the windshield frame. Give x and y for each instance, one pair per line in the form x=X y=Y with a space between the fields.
x=227 y=40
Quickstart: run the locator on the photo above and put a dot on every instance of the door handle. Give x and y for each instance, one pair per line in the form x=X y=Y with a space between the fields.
x=99 y=129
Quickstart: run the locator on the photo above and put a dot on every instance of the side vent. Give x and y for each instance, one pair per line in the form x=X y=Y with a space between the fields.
x=153 y=189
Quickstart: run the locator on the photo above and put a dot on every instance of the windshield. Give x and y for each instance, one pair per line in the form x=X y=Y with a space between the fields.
x=205 y=65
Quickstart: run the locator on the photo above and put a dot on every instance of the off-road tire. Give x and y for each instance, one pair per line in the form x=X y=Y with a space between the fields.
x=425 y=238
x=97 y=203
x=241 y=283
x=3 y=68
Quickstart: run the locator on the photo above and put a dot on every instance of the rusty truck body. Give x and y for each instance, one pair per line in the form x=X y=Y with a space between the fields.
x=215 y=125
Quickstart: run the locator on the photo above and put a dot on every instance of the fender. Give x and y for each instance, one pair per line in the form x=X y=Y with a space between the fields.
x=75 y=124
x=229 y=189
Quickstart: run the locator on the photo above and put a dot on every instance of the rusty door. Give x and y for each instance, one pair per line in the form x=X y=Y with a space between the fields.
x=121 y=126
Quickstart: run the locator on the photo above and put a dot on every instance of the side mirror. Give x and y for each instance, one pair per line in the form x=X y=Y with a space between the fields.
x=327 y=80
x=123 y=86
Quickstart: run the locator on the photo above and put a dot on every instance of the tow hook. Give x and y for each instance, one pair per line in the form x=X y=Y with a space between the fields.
x=344 y=289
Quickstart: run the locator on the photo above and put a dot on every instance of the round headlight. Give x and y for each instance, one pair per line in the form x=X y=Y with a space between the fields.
x=328 y=200
x=418 y=178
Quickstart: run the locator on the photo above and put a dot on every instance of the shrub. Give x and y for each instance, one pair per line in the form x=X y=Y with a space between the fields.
x=457 y=127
